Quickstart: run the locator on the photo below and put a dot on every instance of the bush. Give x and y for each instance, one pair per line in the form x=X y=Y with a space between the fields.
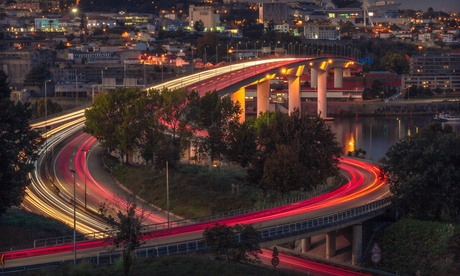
x=412 y=246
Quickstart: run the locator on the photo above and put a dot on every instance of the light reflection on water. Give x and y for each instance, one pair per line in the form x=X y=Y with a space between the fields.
x=375 y=135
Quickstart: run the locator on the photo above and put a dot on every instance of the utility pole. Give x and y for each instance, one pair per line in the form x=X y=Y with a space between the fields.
x=167 y=190
x=74 y=222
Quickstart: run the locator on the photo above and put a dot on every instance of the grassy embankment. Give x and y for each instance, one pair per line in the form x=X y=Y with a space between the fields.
x=194 y=190
x=20 y=228
x=415 y=247
x=168 y=265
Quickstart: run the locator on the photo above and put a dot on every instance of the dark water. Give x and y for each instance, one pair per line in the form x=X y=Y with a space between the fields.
x=375 y=135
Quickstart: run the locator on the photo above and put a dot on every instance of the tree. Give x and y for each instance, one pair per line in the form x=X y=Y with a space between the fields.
x=214 y=115
x=223 y=239
x=395 y=62
x=242 y=144
x=282 y=170
x=128 y=228
x=300 y=138
x=19 y=145
x=198 y=26
x=38 y=108
x=422 y=171
x=37 y=75
x=115 y=120
x=174 y=112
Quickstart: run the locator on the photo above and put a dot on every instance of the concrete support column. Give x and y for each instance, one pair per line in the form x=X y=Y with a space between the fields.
x=314 y=78
x=338 y=77
x=306 y=244
x=330 y=244
x=239 y=96
x=322 y=88
x=263 y=96
x=294 y=93
x=357 y=244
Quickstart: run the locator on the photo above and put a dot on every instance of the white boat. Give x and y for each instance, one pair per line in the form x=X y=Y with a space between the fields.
x=447 y=117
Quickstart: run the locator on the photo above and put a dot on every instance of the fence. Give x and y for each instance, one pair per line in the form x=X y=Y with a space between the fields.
x=198 y=245
x=184 y=222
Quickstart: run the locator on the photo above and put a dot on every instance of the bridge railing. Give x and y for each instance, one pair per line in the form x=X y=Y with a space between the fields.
x=318 y=223
x=198 y=245
x=183 y=222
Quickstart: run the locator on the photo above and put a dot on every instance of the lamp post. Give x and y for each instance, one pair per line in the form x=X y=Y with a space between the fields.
x=85 y=151
x=167 y=190
x=46 y=113
x=74 y=222
x=46 y=92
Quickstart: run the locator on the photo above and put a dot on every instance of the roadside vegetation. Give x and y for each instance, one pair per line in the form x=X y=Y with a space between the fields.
x=235 y=164
x=168 y=265
x=418 y=247
x=423 y=173
x=20 y=228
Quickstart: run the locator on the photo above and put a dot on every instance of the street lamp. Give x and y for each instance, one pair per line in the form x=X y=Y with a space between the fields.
x=74 y=222
x=46 y=92
x=167 y=190
x=46 y=112
x=86 y=166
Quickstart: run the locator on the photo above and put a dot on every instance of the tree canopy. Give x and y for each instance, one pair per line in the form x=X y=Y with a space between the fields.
x=38 y=108
x=423 y=173
x=128 y=226
x=222 y=239
x=155 y=123
x=214 y=115
x=37 y=75
x=18 y=144
x=296 y=151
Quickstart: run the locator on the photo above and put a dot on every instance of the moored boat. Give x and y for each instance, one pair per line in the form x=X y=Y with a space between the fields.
x=444 y=117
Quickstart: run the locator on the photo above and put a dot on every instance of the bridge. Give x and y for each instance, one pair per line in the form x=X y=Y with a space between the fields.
x=228 y=81
x=363 y=197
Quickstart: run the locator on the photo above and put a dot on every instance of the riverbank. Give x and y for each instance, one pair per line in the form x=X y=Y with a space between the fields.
x=381 y=108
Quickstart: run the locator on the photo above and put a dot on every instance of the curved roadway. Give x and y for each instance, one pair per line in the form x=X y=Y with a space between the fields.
x=54 y=196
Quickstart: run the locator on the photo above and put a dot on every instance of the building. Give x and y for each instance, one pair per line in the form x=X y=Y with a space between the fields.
x=434 y=71
x=17 y=64
x=276 y=12
x=127 y=19
x=47 y=24
x=101 y=22
x=280 y=28
x=206 y=14
x=312 y=31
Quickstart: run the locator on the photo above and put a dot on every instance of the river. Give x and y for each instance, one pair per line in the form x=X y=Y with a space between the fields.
x=375 y=135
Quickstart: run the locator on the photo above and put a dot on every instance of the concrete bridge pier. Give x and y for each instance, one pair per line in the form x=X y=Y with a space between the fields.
x=357 y=244
x=305 y=244
x=322 y=88
x=330 y=244
x=239 y=96
x=338 y=77
x=314 y=78
x=263 y=96
x=294 y=93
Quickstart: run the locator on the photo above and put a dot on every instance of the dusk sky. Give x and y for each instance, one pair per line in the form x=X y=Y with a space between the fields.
x=444 y=5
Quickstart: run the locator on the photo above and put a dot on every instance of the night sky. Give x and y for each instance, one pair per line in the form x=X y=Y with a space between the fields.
x=437 y=5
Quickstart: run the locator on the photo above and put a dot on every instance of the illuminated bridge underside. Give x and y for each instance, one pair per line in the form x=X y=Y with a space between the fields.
x=235 y=81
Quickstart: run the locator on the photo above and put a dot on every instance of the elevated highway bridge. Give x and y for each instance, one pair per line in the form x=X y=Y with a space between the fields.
x=363 y=196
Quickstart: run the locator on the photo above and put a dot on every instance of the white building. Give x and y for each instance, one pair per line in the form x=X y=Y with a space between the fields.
x=101 y=22
x=206 y=14
x=282 y=28
x=312 y=31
